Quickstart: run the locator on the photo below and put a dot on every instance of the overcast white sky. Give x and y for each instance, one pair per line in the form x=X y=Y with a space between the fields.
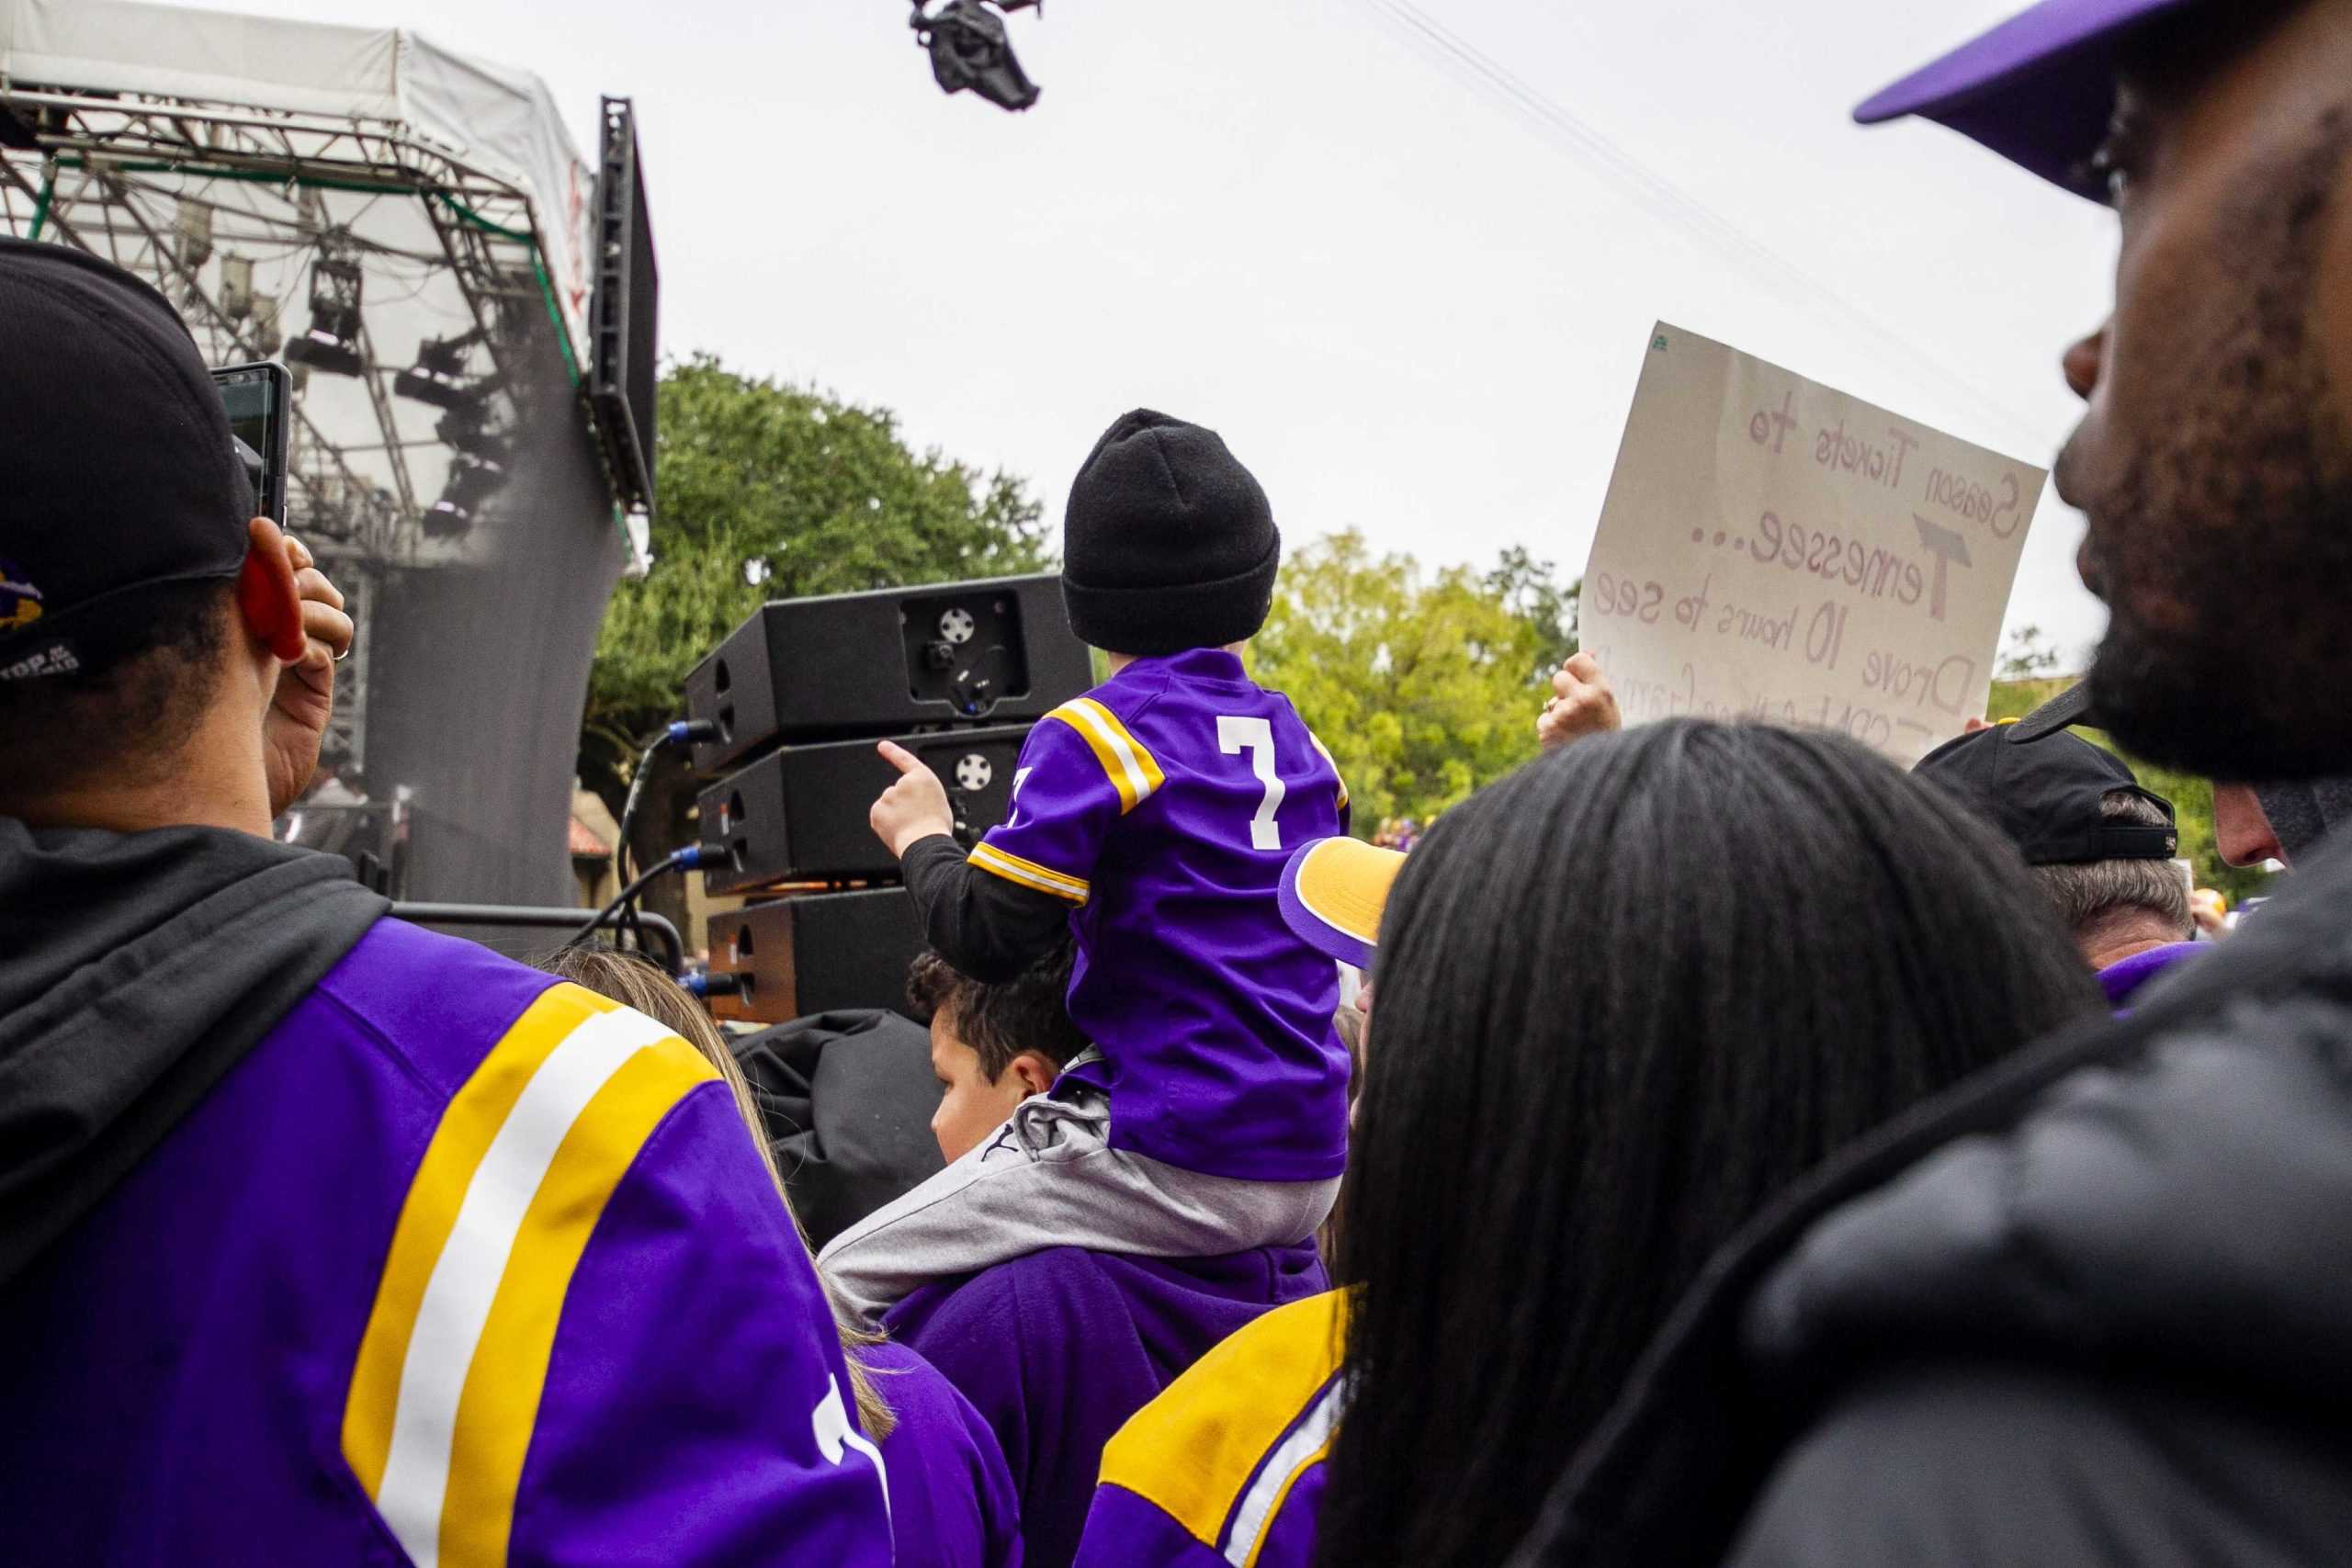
x=1410 y=309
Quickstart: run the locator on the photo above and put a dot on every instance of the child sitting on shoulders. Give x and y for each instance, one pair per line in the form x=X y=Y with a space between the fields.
x=1152 y=821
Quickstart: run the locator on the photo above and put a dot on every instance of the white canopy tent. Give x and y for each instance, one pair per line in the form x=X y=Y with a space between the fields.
x=431 y=110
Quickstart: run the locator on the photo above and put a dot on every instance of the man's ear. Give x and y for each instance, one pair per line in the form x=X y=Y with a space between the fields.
x=1033 y=1072
x=268 y=599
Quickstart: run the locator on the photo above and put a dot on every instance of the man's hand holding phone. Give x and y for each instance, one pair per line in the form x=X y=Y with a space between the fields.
x=297 y=721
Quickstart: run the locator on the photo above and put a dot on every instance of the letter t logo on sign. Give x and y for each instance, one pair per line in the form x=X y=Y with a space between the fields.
x=1947 y=546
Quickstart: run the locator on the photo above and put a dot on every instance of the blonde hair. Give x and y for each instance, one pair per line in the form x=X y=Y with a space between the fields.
x=634 y=982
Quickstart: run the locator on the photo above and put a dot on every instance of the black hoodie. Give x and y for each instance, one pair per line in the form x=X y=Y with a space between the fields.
x=2093 y=1308
x=848 y=1098
x=136 y=970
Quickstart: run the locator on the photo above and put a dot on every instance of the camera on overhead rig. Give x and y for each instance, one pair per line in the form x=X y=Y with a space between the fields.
x=969 y=49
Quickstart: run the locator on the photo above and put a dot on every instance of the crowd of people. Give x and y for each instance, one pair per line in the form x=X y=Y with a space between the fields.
x=1711 y=1145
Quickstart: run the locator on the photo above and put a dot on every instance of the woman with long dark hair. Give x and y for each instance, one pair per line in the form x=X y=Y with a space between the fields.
x=1626 y=996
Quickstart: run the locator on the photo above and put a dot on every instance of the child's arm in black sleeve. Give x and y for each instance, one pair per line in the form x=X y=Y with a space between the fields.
x=986 y=926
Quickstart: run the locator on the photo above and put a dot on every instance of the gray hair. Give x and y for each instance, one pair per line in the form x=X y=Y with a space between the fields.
x=2089 y=890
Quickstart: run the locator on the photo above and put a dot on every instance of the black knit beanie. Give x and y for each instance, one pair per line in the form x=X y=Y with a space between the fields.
x=1168 y=542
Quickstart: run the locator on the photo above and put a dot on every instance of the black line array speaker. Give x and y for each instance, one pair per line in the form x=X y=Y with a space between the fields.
x=799 y=814
x=999 y=649
x=816 y=953
x=623 y=362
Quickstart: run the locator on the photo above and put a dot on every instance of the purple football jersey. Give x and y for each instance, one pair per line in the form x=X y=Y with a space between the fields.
x=1163 y=806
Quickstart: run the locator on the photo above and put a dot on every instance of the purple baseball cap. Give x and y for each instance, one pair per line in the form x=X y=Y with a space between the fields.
x=2039 y=89
x=1333 y=894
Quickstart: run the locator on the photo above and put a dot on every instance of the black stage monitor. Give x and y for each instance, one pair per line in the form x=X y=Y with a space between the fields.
x=999 y=650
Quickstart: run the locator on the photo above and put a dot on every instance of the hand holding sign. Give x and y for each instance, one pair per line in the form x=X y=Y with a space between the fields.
x=1582 y=703
x=1773 y=549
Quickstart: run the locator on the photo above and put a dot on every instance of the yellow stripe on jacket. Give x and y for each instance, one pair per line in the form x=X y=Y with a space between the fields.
x=445 y=1388
x=1193 y=1452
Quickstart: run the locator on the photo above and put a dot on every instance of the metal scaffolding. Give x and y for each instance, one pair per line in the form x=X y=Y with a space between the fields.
x=231 y=210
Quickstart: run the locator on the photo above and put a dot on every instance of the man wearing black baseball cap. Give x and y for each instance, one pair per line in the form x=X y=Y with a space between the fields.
x=314 y=1226
x=2096 y=1309
x=2102 y=847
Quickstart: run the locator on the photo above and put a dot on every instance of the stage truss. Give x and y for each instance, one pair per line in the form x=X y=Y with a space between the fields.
x=230 y=209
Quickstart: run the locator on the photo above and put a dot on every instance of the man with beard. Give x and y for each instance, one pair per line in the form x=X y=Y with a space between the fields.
x=2096 y=1308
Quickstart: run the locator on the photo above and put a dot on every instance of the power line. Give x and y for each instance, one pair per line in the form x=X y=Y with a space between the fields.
x=1448 y=48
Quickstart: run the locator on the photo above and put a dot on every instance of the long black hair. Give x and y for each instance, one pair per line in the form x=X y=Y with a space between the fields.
x=1624 y=996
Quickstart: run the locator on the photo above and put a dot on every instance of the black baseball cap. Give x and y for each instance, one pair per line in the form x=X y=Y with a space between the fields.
x=118 y=471
x=2071 y=705
x=2044 y=792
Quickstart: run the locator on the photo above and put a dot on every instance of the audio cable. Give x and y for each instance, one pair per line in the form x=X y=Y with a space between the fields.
x=678 y=732
x=676 y=860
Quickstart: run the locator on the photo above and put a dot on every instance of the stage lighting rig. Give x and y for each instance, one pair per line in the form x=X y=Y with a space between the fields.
x=476 y=428
x=466 y=427
x=332 y=341
x=472 y=480
x=439 y=375
x=969 y=49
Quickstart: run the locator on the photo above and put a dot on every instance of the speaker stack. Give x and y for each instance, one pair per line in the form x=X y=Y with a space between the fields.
x=800 y=694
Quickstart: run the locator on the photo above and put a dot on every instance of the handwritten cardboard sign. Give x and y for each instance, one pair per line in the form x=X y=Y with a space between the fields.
x=1772 y=548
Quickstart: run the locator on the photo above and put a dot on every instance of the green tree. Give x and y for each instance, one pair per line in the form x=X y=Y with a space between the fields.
x=2027 y=656
x=773 y=492
x=2191 y=798
x=1424 y=688
x=768 y=491
x=1530 y=590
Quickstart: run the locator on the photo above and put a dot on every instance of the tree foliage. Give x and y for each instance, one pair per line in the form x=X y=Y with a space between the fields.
x=775 y=491
x=768 y=491
x=1423 y=687
x=2027 y=656
x=1528 y=589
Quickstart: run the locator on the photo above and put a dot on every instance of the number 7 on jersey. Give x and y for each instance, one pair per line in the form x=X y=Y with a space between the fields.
x=1256 y=735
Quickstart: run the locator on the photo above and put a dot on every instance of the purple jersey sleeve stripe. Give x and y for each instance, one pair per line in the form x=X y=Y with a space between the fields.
x=1127 y=762
x=1064 y=804
x=1028 y=873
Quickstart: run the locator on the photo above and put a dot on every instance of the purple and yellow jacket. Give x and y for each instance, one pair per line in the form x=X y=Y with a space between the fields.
x=453 y=1264
x=1225 y=1470
x=1057 y=1350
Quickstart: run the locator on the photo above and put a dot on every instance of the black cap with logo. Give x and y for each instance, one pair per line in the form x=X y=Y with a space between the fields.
x=2044 y=788
x=118 y=472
